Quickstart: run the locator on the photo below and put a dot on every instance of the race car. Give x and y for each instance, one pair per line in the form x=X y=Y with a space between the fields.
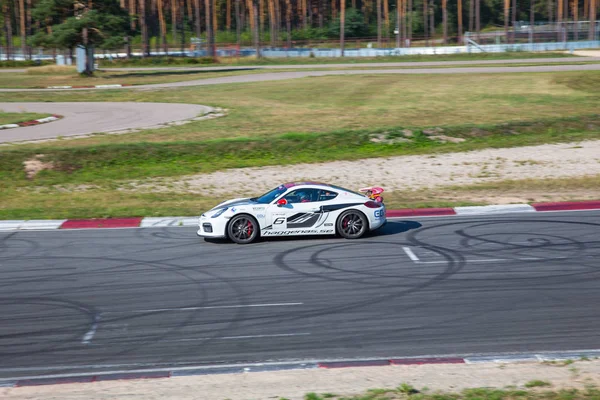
x=296 y=208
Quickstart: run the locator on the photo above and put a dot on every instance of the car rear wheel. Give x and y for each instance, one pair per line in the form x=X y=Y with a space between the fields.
x=242 y=229
x=352 y=224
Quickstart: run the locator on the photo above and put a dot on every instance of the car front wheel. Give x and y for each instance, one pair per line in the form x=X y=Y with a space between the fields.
x=242 y=229
x=352 y=224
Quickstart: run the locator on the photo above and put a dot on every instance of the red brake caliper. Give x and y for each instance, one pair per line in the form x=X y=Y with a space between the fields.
x=345 y=222
x=250 y=228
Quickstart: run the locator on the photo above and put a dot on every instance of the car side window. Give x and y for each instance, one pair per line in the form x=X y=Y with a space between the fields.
x=302 y=196
x=325 y=195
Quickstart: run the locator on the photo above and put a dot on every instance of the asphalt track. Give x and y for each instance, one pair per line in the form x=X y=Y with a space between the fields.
x=86 y=118
x=97 y=300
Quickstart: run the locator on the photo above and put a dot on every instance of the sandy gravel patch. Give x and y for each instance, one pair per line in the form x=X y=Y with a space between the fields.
x=414 y=172
x=587 y=53
x=294 y=385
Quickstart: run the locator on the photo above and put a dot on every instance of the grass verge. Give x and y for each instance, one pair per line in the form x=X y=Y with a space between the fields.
x=59 y=202
x=103 y=164
x=400 y=393
x=338 y=103
x=15 y=118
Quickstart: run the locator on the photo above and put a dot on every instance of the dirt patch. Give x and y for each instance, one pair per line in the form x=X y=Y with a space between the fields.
x=566 y=160
x=294 y=385
x=34 y=165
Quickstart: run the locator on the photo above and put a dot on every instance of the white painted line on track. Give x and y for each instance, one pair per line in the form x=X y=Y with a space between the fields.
x=493 y=209
x=203 y=308
x=42 y=224
x=410 y=254
x=497 y=260
x=89 y=335
x=10 y=225
x=243 y=337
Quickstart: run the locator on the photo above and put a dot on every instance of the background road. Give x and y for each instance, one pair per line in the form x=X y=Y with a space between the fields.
x=346 y=65
x=90 y=300
x=86 y=118
x=277 y=76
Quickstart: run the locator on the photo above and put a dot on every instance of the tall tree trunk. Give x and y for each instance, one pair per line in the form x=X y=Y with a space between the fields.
x=215 y=24
x=197 y=18
x=228 y=16
x=550 y=7
x=190 y=11
x=399 y=23
x=288 y=22
x=163 y=26
x=576 y=18
x=342 y=25
x=445 y=20
x=559 y=19
x=333 y=9
x=144 y=28
x=28 y=25
x=471 y=14
x=272 y=22
x=432 y=22
x=514 y=20
x=250 y=7
x=304 y=14
x=425 y=21
x=586 y=6
x=278 y=24
x=132 y=13
x=592 y=31
x=386 y=21
x=478 y=19
x=210 y=37
x=173 y=21
x=182 y=25
x=321 y=13
x=506 y=16
x=460 y=22
x=404 y=23
x=378 y=5
x=410 y=19
x=22 y=28
x=7 y=29
x=238 y=23
x=261 y=10
x=532 y=20
x=255 y=31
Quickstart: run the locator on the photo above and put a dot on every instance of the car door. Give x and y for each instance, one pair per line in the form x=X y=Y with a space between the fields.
x=299 y=215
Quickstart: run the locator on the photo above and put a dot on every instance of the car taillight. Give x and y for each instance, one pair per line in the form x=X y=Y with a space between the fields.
x=372 y=204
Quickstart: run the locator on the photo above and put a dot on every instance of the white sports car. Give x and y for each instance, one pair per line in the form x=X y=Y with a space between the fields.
x=299 y=208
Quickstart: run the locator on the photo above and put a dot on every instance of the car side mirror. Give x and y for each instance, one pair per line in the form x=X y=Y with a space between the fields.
x=281 y=202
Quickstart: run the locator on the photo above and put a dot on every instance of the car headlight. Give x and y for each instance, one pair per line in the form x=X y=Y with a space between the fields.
x=219 y=212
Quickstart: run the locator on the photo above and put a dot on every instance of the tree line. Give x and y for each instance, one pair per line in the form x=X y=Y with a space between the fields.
x=111 y=24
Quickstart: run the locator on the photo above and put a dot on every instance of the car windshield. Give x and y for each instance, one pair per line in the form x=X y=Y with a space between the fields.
x=271 y=195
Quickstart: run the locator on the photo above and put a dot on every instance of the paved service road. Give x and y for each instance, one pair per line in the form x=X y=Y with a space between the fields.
x=93 y=300
x=86 y=118
x=352 y=65
x=278 y=76
x=371 y=65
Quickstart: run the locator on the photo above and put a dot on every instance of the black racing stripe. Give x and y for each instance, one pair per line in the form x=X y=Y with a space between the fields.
x=304 y=224
x=295 y=216
x=335 y=207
